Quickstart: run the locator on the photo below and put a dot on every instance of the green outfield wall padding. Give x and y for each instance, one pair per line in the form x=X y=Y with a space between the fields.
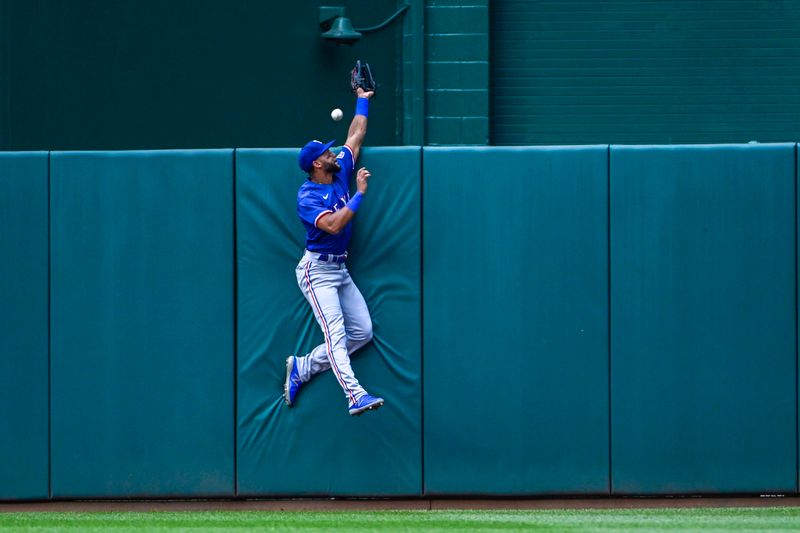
x=142 y=247
x=316 y=447
x=515 y=321
x=24 y=459
x=703 y=353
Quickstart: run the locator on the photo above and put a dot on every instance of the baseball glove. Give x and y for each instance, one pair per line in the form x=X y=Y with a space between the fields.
x=362 y=77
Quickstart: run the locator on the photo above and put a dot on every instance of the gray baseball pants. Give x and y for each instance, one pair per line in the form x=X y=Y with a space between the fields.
x=341 y=313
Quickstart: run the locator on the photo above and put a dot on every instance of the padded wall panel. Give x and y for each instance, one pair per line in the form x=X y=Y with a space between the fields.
x=23 y=326
x=316 y=447
x=703 y=319
x=142 y=324
x=515 y=321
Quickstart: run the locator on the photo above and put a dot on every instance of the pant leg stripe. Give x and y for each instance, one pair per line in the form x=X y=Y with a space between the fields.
x=327 y=335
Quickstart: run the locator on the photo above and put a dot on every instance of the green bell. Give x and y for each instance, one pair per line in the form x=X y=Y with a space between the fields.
x=342 y=32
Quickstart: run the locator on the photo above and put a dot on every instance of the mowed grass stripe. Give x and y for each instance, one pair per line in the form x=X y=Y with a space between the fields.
x=705 y=519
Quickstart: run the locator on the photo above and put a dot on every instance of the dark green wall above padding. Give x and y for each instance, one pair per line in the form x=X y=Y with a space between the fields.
x=92 y=74
x=457 y=71
x=644 y=71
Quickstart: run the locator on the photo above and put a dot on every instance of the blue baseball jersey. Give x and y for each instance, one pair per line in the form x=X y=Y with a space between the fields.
x=316 y=199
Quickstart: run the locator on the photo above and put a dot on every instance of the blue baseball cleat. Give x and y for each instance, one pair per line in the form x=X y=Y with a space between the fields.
x=293 y=383
x=365 y=403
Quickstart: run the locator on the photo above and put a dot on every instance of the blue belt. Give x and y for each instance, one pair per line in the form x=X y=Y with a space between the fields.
x=331 y=258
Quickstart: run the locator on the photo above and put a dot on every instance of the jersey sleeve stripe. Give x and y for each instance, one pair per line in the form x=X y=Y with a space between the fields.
x=320 y=216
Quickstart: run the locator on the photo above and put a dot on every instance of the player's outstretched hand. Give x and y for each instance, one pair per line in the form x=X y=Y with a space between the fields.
x=362 y=180
x=361 y=93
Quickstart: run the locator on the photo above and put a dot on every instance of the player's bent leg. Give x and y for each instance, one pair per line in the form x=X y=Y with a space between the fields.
x=319 y=284
x=317 y=360
x=358 y=326
x=357 y=322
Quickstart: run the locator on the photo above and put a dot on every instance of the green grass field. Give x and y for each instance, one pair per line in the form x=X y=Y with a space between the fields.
x=728 y=519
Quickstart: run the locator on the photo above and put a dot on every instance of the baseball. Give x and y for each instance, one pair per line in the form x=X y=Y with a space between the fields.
x=337 y=114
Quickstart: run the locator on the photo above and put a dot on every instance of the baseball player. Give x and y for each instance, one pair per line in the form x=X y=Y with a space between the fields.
x=326 y=209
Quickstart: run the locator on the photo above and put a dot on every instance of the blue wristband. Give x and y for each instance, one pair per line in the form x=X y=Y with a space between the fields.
x=354 y=202
x=362 y=107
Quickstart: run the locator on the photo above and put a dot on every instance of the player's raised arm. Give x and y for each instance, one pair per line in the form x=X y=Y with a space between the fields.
x=358 y=127
x=363 y=86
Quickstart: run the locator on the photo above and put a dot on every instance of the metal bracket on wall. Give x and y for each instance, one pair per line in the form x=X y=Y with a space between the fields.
x=339 y=29
x=328 y=14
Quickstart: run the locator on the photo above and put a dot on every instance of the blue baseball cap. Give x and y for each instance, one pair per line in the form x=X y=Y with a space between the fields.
x=311 y=151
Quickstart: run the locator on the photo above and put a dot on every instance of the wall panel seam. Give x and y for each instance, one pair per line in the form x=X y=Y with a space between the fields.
x=796 y=365
x=608 y=264
x=49 y=339
x=235 y=337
